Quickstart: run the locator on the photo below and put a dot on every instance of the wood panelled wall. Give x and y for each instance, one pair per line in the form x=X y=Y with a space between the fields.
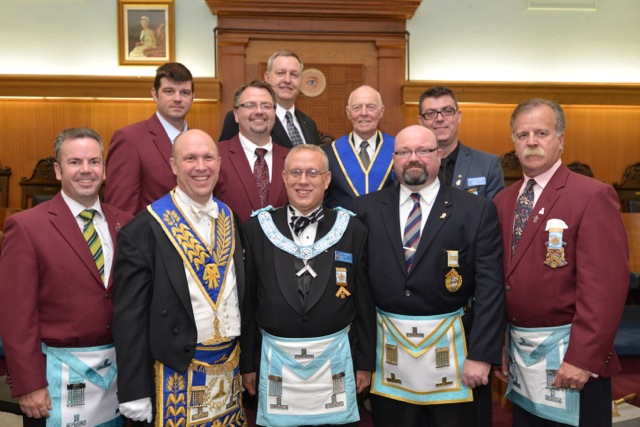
x=28 y=127
x=603 y=132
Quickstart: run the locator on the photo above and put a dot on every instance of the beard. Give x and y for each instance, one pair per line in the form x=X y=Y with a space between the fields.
x=413 y=177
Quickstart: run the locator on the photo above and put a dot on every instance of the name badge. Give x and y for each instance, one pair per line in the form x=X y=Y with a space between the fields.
x=344 y=257
x=479 y=180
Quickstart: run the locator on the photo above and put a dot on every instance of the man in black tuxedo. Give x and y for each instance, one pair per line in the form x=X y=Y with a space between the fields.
x=306 y=269
x=435 y=269
x=179 y=286
x=292 y=127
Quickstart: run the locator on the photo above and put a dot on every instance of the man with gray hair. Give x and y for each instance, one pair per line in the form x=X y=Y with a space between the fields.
x=57 y=294
x=361 y=161
x=566 y=277
x=292 y=126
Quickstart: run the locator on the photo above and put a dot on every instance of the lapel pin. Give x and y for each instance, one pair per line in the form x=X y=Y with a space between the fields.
x=118 y=226
x=443 y=216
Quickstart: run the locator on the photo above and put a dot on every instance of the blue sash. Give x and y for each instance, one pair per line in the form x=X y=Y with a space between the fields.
x=360 y=180
x=535 y=355
x=207 y=265
x=306 y=381
x=208 y=394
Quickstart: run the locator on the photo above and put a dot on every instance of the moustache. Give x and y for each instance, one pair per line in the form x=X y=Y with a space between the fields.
x=533 y=151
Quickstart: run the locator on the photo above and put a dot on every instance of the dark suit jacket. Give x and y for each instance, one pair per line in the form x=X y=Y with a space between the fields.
x=458 y=221
x=236 y=185
x=277 y=306
x=279 y=134
x=138 y=168
x=472 y=164
x=51 y=289
x=590 y=291
x=153 y=316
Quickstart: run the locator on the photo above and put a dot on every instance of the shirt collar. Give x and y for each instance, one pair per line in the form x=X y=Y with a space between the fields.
x=428 y=193
x=186 y=203
x=247 y=145
x=76 y=207
x=281 y=112
x=171 y=131
x=543 y=179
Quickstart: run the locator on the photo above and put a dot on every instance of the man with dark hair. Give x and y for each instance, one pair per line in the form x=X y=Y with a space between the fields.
x=292 y=126
x=462 y=167
x=566 y=275
x=251 y=169
x=56 y=292
x=138 y=159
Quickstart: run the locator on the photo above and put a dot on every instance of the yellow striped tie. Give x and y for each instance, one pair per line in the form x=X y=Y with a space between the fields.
x=92 y=238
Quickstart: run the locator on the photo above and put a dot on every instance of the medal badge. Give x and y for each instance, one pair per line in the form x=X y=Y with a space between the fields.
x=452 y=280
x=555 y=246
x=341 y=282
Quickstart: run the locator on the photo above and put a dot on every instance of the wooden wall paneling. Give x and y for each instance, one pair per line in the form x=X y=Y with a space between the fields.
x=28 y=127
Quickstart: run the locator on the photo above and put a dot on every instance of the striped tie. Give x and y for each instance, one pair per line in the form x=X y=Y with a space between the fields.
x=92 y=238
x=412 y=231
x=294 y=135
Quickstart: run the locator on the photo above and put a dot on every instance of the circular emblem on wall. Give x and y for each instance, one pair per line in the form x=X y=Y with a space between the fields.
x=313 y=82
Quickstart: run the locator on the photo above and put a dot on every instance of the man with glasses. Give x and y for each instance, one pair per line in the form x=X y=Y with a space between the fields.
x=463 y=167
x=361 y=160
x=435 y=260
x=251 y=169
x=312 y=310
x=292 y=126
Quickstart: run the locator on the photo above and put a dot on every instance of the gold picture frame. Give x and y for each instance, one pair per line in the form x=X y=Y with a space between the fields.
x=146 y=32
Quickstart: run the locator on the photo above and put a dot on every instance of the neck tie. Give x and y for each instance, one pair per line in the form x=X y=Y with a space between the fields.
x=261 y=174
x=364 y=154
x=412 y=231
x=445 y=174
x=523 y=210
x=92 y=238
x=294 y=135
x=299 y=223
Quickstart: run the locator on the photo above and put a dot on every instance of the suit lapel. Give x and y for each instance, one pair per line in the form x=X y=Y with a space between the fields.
x=546 y=201
x=240 y=164
x=114 y=225
x=439 y=215
x=323 y=262
x=160 y=139
x=280 y=135
x=306 y=132
x=285 y=270
x=390 y=219
x=64 y=222
x=276 y=189
x=461 y=169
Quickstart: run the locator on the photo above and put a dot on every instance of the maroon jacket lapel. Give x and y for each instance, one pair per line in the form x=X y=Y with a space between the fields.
x=161 y=141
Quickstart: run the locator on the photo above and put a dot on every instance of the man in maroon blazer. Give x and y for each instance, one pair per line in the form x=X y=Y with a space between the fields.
x=138 y=160
x=251 y=166
x=57 y=295
x=566 y=277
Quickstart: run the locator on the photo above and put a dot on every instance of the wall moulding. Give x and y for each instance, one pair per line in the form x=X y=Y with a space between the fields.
x=110 y=87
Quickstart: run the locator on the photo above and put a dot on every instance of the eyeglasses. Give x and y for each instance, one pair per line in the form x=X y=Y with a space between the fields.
x=265 y=106
x=421 y=152
x=432 y=114
x=310 y=173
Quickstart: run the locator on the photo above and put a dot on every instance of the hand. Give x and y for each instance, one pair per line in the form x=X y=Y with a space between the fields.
x=138 y=410
x=363 y=380
x=36 y=404
x=571 y=377
x=475 y=373
x=502 y=372
x=249 y=383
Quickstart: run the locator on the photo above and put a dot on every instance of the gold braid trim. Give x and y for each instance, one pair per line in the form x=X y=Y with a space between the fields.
x=227 y=367
x=194 y=251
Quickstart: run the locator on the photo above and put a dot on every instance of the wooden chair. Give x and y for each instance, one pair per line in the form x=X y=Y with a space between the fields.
x=629 y=189
x=41 y=186
x=5 y=173
x=581 y=168
x=511 y=168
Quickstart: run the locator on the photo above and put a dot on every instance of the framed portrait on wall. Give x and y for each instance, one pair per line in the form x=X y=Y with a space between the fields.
x=146 y=32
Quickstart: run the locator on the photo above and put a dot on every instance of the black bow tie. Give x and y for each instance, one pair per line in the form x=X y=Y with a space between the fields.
x=299 y=223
